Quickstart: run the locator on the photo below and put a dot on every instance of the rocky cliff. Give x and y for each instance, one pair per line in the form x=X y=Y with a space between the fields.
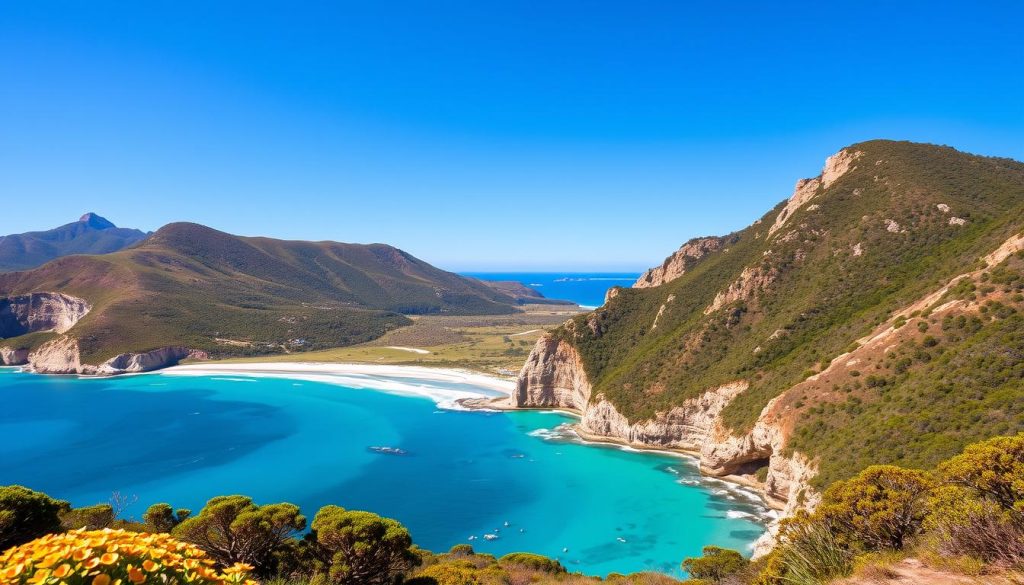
x=679 y=262
x=62 y=356
x=39 y=312
x=554 y=377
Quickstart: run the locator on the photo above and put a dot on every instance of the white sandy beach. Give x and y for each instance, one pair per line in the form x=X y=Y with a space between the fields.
x=443 y=385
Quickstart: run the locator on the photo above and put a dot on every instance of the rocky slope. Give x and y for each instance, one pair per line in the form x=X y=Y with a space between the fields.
x=91 y=234
x=790 y=354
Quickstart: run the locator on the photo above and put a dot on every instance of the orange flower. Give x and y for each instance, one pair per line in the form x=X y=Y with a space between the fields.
x=62 y=571
x=135 y=575
x=101 y=579
x=109 y=558
x=14 y=571
x=149 y=566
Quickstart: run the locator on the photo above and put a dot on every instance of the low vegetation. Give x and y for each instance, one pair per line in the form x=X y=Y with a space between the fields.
x=494 y=344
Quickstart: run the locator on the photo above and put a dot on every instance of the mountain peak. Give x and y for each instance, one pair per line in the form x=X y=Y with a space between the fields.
x=95 y=221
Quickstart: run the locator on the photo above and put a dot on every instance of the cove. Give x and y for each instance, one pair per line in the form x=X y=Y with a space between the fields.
x=449 y=475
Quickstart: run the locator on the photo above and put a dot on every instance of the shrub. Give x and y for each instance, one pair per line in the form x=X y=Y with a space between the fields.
x=27 y=514
x=446 y=574
x=965 y=526
x=232 y=529
x=89 y=517
x=879 y=508
x=102 y=557
x=808 y=553
x=361 y=547
x=532 y=561
x=715 y=564
x=161 y=518
x=993 y=469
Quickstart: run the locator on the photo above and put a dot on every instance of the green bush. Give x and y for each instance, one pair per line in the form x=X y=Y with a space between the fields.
x=715 y=564
x=26 y=515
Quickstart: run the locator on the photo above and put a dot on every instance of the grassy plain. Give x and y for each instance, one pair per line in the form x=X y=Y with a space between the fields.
x=491 y=344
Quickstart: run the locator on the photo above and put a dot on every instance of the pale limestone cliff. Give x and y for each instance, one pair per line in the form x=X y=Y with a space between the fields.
x=13 y=357
x=41 y=311
x=553 y=377
x=679 y=262
x=62 y=356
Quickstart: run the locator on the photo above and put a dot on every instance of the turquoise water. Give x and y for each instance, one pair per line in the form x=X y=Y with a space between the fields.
x=584 y=288
x=185 y=439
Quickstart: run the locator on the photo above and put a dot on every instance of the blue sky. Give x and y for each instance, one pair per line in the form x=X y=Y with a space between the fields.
x=480 y=135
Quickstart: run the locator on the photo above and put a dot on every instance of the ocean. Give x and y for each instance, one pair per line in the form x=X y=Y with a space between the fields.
x=451 y=476
x=584 y=288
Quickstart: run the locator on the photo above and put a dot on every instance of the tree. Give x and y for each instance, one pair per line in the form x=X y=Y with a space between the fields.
x=26 y=515
x=994 y=469
x=361 y=547
x=232 y=529
x=716 y=564
x=879 y=508
x=533 y=562
x=89 y=517
x=162 y=518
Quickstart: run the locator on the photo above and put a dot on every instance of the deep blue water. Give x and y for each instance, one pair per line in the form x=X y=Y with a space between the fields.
x=184 y=439
x=584 y=288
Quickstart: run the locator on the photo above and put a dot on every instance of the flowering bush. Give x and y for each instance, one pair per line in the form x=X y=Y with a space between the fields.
x=113 y=557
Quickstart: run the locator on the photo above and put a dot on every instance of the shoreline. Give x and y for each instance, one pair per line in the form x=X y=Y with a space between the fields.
x=448 y=387
x=587 y=438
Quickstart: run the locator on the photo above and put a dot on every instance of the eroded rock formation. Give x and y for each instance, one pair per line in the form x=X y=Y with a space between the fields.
x=41 y=311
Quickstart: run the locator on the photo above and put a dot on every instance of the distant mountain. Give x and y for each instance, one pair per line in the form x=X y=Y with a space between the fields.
x=193 y=287
x=91 y=234
x=874 y=317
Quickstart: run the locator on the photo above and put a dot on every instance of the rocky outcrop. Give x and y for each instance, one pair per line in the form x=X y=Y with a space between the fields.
x=13 y=356
x=131 y=363
x=687 y=427
x=750 y=281
x=40 y=311
x=62 y=356
x=806 y=189
x=679 y=262
x=553 y=377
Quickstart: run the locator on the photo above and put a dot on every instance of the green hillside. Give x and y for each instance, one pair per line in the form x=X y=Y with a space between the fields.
x=197 y=287
x=902 y=221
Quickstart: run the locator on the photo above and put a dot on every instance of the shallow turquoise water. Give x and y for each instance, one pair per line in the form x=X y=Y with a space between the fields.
x=185 y=439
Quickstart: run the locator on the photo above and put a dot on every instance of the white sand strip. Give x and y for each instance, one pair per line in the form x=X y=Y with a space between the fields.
x=443 y=385
x=525 y=332
x=403 y=348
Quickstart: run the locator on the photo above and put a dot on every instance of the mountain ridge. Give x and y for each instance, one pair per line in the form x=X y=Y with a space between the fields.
x=212 y=293
x=91 y=234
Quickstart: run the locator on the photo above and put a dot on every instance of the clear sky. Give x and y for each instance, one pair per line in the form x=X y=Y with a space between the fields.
x=480 y=135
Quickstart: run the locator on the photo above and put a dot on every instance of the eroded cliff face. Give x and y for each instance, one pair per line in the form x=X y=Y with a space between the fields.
x=41 y=311
x=679 y=262
x=554 y=377
x=62 y=356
